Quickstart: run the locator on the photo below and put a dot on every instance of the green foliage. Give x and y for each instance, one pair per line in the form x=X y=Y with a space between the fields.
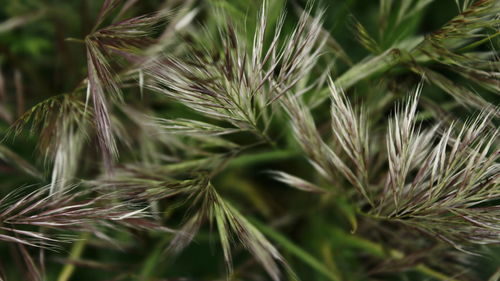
x=158 y=140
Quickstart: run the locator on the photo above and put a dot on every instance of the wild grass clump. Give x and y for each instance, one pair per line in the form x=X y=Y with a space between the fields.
x=171 y=152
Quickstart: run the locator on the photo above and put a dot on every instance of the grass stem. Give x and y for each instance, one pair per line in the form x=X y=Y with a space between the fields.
x=76 y=253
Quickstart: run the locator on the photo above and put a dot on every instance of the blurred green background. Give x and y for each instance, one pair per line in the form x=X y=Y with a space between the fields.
x=37 y=61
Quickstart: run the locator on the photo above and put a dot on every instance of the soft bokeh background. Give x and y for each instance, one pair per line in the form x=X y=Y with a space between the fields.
x=37 y=61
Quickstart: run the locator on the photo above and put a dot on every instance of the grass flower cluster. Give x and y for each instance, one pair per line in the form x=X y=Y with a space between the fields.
x=250 y=140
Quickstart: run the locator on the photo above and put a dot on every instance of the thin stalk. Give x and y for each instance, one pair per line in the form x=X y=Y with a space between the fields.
x=366 y=69
x=478 y=43
x=262 y=135
x=296 y=251
x=76 y=253
x=238 y=161
x=405 y=51
x=76 y=40
x=260 y=157
x=382 y=252
x=151 y=263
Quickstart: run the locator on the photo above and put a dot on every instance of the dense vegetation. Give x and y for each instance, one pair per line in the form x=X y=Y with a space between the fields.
x=249 y=140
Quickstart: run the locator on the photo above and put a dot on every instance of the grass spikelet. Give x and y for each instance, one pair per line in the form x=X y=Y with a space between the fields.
x=230 y=225
x=444 y=185
x=238 y=84
x=199 y=114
